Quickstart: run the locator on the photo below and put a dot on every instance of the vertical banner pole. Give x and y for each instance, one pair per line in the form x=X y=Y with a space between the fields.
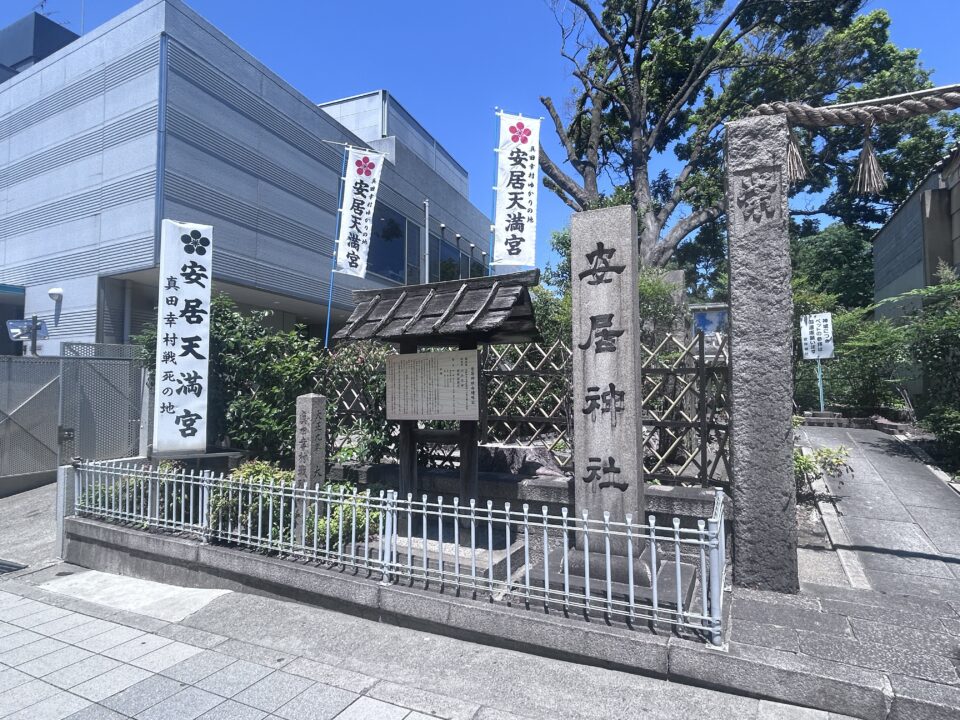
x=496 y=176
x=820 y=382
x=336 y=243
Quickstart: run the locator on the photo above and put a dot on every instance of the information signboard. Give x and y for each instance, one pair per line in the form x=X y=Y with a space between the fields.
x=816 y=336
x=433 y=386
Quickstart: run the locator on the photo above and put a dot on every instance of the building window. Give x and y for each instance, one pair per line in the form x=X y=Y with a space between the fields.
x=434 y=258
x=387 y=255
x=413 y=254
x=464 y=265
x=477 y=269
x=449 y=262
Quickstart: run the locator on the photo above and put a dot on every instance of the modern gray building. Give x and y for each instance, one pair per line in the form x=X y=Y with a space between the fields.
x=157 y=114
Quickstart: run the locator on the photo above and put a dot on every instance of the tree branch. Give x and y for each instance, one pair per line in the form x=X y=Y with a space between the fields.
x=564 y=183
x=684 y=227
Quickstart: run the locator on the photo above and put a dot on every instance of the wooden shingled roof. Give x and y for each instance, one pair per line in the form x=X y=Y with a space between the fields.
x=494 y=309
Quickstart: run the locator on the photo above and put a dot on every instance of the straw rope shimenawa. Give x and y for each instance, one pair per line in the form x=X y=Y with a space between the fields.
x=875 y=111
x=869 y=178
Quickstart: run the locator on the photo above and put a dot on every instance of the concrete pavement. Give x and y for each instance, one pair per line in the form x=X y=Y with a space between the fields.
x=244 y=656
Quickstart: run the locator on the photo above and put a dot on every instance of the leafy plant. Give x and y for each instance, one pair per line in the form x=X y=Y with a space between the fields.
x=820 y=463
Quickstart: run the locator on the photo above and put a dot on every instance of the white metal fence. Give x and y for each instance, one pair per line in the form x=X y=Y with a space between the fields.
x=630 y=572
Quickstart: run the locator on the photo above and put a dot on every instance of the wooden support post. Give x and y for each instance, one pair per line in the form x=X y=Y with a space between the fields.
x=408 y=441
x=469 y=450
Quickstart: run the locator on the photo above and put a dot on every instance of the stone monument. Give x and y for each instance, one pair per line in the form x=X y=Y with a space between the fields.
x=606 y=364
x=310 y=452
x=761 y=349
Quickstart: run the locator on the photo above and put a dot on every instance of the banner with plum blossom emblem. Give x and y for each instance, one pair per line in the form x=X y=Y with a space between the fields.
x=182 y=383
x=356 y=211
x=515 y=233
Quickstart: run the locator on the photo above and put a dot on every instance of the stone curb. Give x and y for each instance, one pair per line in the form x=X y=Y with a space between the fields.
x=738 y=669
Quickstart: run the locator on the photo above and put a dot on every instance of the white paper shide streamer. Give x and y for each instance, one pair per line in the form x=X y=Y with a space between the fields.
x=356 y=212
x=518 y=157
x=182 y=383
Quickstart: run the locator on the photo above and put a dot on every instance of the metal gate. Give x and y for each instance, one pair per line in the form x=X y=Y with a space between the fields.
x=29 y=395
x=100 y=401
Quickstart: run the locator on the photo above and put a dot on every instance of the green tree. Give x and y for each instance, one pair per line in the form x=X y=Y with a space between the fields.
x=837 y=261
x=658 y=78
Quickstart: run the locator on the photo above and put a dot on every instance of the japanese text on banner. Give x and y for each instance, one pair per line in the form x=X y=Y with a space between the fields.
x=816 y=336
x=356 y=212
x=515 y=232
x=183 y=338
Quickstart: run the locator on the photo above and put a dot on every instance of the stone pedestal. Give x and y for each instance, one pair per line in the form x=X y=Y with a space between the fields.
x=311 y=441
x=761 y=313
x=608 y=463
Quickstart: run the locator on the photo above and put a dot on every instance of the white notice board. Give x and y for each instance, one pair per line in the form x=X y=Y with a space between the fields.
x=433 y=386
x=816 y=336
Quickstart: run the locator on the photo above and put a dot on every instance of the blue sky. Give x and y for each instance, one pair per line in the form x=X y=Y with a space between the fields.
x=450 y=62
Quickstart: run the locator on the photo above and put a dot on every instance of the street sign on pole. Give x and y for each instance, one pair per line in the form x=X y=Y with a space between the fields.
x=22 y=330
x=816 y=337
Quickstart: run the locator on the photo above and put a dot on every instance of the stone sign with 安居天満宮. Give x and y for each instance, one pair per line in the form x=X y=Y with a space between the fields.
x=606 y=365
x=311 y=440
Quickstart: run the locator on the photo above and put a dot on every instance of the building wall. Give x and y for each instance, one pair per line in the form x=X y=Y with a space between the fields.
x=898 y=251
x=78 y=138
x=158 y=114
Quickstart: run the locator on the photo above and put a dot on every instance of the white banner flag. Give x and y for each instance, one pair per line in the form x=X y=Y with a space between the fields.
x=816 y=336
x=515 y=234
x=356 y=213
x=183 y=338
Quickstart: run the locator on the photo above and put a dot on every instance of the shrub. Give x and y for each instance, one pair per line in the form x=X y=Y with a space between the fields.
x=821 y=463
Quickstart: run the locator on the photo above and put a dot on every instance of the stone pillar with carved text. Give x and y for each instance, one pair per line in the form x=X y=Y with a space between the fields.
x=761 y=349
x=310 y=451
x=606 y=364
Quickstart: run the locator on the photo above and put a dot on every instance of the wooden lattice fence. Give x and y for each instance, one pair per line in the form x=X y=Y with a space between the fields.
x=527 y=401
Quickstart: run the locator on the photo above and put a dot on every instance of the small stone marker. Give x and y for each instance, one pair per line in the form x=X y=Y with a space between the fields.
x=761 y=355
x=310 y=452
x=606 y=365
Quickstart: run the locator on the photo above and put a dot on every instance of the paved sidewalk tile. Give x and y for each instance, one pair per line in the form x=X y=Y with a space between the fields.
x=274 y=659
x=193 y=636
x=15 y=640
x=776 y=711
x=145 y=694
x=234 y=678
x=331 y=675
x=166 y=656
x=84 y=631
x=56 y=707
x=8 y=629
x=62 y=624
x=118 y=635
x=273 y=691
x=97 y=712
x=14 y=612
x=110 y=683
x=44 y=616
x=320 y=702
x=200 y=666
x=68 y=655
x=139 y=646
x=423 y=700
x=25 y=695
x=79 y=672
x=232 y=710
x=11 y=677
x=31 y=651
x=188 y=704
x=366 y=708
